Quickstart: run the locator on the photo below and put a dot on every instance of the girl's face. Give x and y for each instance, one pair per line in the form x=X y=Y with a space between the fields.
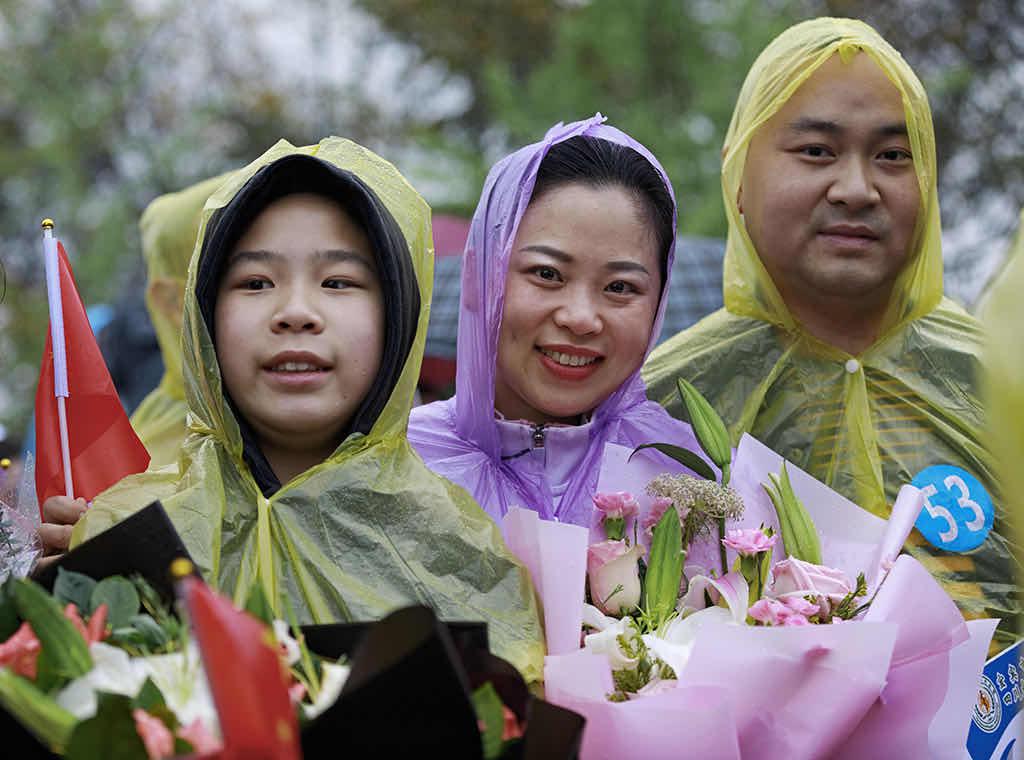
x=300 y=324
x=580 y=300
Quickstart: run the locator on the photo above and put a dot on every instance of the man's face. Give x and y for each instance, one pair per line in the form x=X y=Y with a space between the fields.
x=829 y=193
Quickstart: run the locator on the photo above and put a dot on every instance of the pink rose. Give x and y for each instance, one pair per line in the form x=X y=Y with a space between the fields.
x=614 y=576
x=794 y=577
x=658 y=508
x=157 y=737
x=618 y=504
x=749 y=541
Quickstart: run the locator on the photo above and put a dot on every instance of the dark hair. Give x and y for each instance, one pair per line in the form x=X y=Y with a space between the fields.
x=306 y=174
x=598 y=163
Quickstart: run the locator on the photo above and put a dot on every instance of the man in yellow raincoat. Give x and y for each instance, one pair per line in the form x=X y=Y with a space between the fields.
x=367 y=529
x=836 y=346
x=169 y=227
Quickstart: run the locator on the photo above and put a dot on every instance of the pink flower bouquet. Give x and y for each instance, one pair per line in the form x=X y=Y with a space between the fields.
x=777 y=630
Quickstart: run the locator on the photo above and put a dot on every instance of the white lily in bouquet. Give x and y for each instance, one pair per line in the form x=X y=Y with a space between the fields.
x=746 y=612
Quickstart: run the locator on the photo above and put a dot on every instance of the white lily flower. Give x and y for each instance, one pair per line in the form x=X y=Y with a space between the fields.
x=594 y=618
x=113 y=671
x=182 y=681
x=606 y=642
x=333 y=679
x=673 y=643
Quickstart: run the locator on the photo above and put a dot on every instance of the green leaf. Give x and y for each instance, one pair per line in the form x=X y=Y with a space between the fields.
x=488 y=707
x=152 y=635
x=257 y=604
x=47 y=720
x=707 y=426
x=685 y=457
x=119 y=595
x=110 y=734
x=75 y=588
x=9 y=618
x=64 y=654
x=665 y=569
x=149 y=697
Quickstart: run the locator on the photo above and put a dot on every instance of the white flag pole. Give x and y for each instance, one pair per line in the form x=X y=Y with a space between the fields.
x=60 y=360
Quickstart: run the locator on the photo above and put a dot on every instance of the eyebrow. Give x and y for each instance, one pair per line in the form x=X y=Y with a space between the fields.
x=624 y=265
x=810 y=124
x=333 y=255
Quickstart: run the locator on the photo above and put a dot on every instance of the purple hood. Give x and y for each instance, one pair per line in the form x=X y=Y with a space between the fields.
x=459 y=438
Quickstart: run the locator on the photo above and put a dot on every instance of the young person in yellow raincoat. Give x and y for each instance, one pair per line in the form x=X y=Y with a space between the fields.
x=836 y=346
x=169 y=226
x=305 y=319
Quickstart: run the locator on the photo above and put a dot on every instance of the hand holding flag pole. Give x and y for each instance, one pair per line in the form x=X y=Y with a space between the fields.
x=60 y=361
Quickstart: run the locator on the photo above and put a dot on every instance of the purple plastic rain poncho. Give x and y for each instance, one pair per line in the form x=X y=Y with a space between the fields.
x=460 y=438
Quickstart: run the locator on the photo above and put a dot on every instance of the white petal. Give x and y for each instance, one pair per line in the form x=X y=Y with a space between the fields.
x=331 y=683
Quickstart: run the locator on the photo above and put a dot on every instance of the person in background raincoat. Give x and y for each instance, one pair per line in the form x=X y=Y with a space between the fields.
x=1004 y=386
x=836 y=346
x=302 y=345
x=563 y=295
x=169 y=226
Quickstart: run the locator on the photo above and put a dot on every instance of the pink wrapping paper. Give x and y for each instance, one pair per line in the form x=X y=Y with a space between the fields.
x=874 y=687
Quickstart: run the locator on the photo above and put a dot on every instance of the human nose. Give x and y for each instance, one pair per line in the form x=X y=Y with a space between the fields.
x=297 y=312
x=854 y=186
x=579 y=314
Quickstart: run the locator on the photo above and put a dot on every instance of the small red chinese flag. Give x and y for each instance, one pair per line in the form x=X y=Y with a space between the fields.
x=103 y=446
x=247 y=678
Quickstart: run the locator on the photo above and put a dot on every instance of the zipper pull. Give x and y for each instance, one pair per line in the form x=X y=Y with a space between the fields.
x=538 y=436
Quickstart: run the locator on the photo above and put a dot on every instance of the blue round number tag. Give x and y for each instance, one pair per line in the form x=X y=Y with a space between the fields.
x=958 y=513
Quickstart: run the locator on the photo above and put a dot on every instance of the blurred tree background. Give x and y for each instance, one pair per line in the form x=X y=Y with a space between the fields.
x=106 y=104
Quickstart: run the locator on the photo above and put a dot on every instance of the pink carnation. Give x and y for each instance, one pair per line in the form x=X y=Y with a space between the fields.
x=749 y=541
x=658 y=508
x=789 y=611
x=618 y=504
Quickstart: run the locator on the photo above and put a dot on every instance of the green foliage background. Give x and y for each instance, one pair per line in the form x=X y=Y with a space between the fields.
x=106 y=104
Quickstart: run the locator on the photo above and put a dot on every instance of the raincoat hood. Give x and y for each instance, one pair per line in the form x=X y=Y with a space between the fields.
x=868 y=424
x=459 y=437
x=368 y=530
x=169 y=227
x=779 y=72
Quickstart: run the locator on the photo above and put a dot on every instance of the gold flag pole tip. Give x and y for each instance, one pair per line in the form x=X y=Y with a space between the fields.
x=181 y=568
x=5 y=463
x=46 y=224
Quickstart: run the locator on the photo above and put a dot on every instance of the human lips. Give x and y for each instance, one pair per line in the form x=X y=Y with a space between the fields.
x=296 y=362
x=570 y=356
x=856 y=236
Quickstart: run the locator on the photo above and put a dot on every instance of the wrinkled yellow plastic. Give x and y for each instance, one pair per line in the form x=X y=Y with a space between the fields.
x=867 y=424
x=1004 y=387
x=169 y=227
x=367 y=531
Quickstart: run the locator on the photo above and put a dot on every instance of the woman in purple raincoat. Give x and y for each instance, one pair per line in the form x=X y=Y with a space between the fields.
x=564 y=283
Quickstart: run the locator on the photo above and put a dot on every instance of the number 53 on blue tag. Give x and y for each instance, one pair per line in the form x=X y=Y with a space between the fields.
x=958 y=513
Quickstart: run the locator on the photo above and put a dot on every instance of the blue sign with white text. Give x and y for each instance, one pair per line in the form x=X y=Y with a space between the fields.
x=996 y=726
x=958 y=513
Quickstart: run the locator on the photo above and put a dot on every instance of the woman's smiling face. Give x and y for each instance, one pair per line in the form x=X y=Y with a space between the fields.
x=581 y=295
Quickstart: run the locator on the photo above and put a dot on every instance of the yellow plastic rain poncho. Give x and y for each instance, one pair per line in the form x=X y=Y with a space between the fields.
x=169 y=227
x=1004 y=388
x=365 y=532
x=867 y=424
